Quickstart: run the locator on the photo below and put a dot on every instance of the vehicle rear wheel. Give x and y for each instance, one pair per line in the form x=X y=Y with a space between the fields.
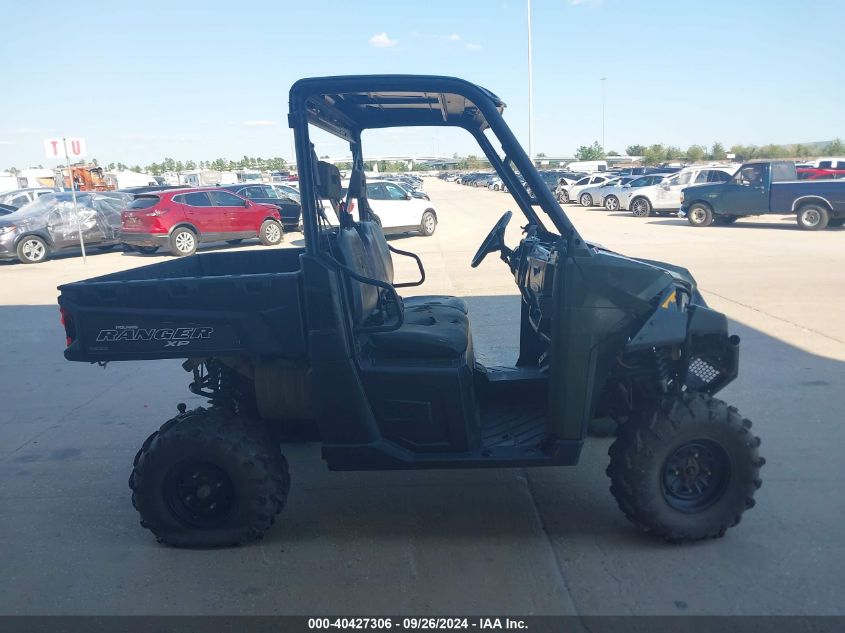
x=836 y=222
x=428 y=224
x=32 y=250
x=271 y=233
x=209 y=479
x=586 y=200
x=611 y=203
x=813 y=217
x=688 y=471
x=641 y=207
x=183 y=242
x=700 y=215
x=725 y=219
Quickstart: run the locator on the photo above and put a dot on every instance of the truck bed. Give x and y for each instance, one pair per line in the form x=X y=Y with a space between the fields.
x=217 y=304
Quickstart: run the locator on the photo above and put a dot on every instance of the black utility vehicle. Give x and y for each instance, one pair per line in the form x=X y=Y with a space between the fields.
x=321 y=336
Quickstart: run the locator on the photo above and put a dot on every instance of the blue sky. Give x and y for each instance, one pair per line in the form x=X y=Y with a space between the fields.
x=200 y=80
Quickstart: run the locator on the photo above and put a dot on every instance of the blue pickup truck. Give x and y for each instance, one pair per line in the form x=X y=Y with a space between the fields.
x=766 y=187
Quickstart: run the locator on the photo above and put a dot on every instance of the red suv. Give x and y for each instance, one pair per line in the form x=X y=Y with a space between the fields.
x=182 y=218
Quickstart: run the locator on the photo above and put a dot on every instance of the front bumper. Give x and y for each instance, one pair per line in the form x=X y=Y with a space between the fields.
x=8 y=247
x=145 y=239
x=682 y=212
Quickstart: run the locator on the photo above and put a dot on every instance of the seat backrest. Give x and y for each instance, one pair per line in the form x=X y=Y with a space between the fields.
x=378 y=253
x=353 y=254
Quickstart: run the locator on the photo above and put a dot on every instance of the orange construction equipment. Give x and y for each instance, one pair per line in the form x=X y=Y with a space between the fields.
x=85 y=178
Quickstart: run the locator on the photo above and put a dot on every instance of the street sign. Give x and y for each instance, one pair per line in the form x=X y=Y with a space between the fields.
x=64 y=148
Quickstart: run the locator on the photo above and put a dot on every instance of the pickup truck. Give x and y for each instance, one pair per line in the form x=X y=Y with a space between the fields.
x=766 y=187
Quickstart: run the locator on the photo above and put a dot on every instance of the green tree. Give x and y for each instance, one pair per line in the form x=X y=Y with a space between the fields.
x=635 y=150
x=111 y=166
x=835 y=148
x=673 y=152
x=189 y=164
x=800 y=151
x=654 y=154
x=696 y=152
x=613 y=153
x=717 y=152
x=590 y=152
x=12 y=170
x=136 y=169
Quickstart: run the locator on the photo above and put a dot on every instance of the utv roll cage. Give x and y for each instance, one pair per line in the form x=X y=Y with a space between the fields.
x=346 y=106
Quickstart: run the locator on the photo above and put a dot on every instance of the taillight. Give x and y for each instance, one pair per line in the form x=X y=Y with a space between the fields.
x=67 y=324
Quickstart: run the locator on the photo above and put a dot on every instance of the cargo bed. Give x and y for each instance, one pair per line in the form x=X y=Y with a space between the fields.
x=217 y=304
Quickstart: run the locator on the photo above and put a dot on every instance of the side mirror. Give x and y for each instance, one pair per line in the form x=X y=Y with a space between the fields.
x=408 y=196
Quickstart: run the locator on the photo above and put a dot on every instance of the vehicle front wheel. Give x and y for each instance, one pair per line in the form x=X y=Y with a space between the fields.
x=428 y=224
x=813 y=217
x=586 y=200
x=32 y=250
x=209 y=479
x=611 y=203
x=700 y=215
x=183 y=242
x=641 y=208
x=271 y=233
x=563 y=196
x=688 y=471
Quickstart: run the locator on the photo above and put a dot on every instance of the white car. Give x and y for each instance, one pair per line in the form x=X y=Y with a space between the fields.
x=594 y=195
x=572 y=192
x=396 y=208
x=619 y=197
x=666 y=196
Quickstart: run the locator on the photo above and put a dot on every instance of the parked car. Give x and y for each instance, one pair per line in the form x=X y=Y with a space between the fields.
x=571 y=193
x=766 y=187
x=595 y=195
x=184 y=218
x=484 y=180
x=666 y=196
x=21 y=197
x=289 y=208
x=495 y=184
x=619 y=200
x=49 y=224
x=288 y=190
x=397 y=210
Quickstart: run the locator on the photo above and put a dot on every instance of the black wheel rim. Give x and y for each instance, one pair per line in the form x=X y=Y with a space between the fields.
x=695 y=476
x=199 y=494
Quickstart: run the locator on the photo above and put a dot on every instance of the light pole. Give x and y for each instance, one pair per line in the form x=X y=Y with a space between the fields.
x=530 y=93
x=603 y=81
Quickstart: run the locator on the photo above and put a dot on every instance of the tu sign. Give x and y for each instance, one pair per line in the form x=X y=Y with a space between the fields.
x=58 y=148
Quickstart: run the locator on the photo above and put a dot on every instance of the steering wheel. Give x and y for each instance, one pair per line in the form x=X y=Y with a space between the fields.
x=495 y=240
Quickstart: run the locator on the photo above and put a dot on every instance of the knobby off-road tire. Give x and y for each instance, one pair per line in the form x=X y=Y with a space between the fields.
x=209 y=479
x=688 y=472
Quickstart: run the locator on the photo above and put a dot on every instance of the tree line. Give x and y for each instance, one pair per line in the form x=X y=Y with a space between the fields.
x=655 y=154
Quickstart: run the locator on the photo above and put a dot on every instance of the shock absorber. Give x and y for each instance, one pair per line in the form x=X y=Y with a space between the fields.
x=662 y=369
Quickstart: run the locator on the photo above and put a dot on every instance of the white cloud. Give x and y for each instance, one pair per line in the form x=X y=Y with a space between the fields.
x=473 y=47
x=258 y=123
x=454 y=37
x=380 y=40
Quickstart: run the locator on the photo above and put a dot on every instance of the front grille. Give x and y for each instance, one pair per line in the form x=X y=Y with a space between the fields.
x=700 y=374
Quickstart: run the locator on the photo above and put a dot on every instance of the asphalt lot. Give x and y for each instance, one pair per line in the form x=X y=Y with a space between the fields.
x=497 y=541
